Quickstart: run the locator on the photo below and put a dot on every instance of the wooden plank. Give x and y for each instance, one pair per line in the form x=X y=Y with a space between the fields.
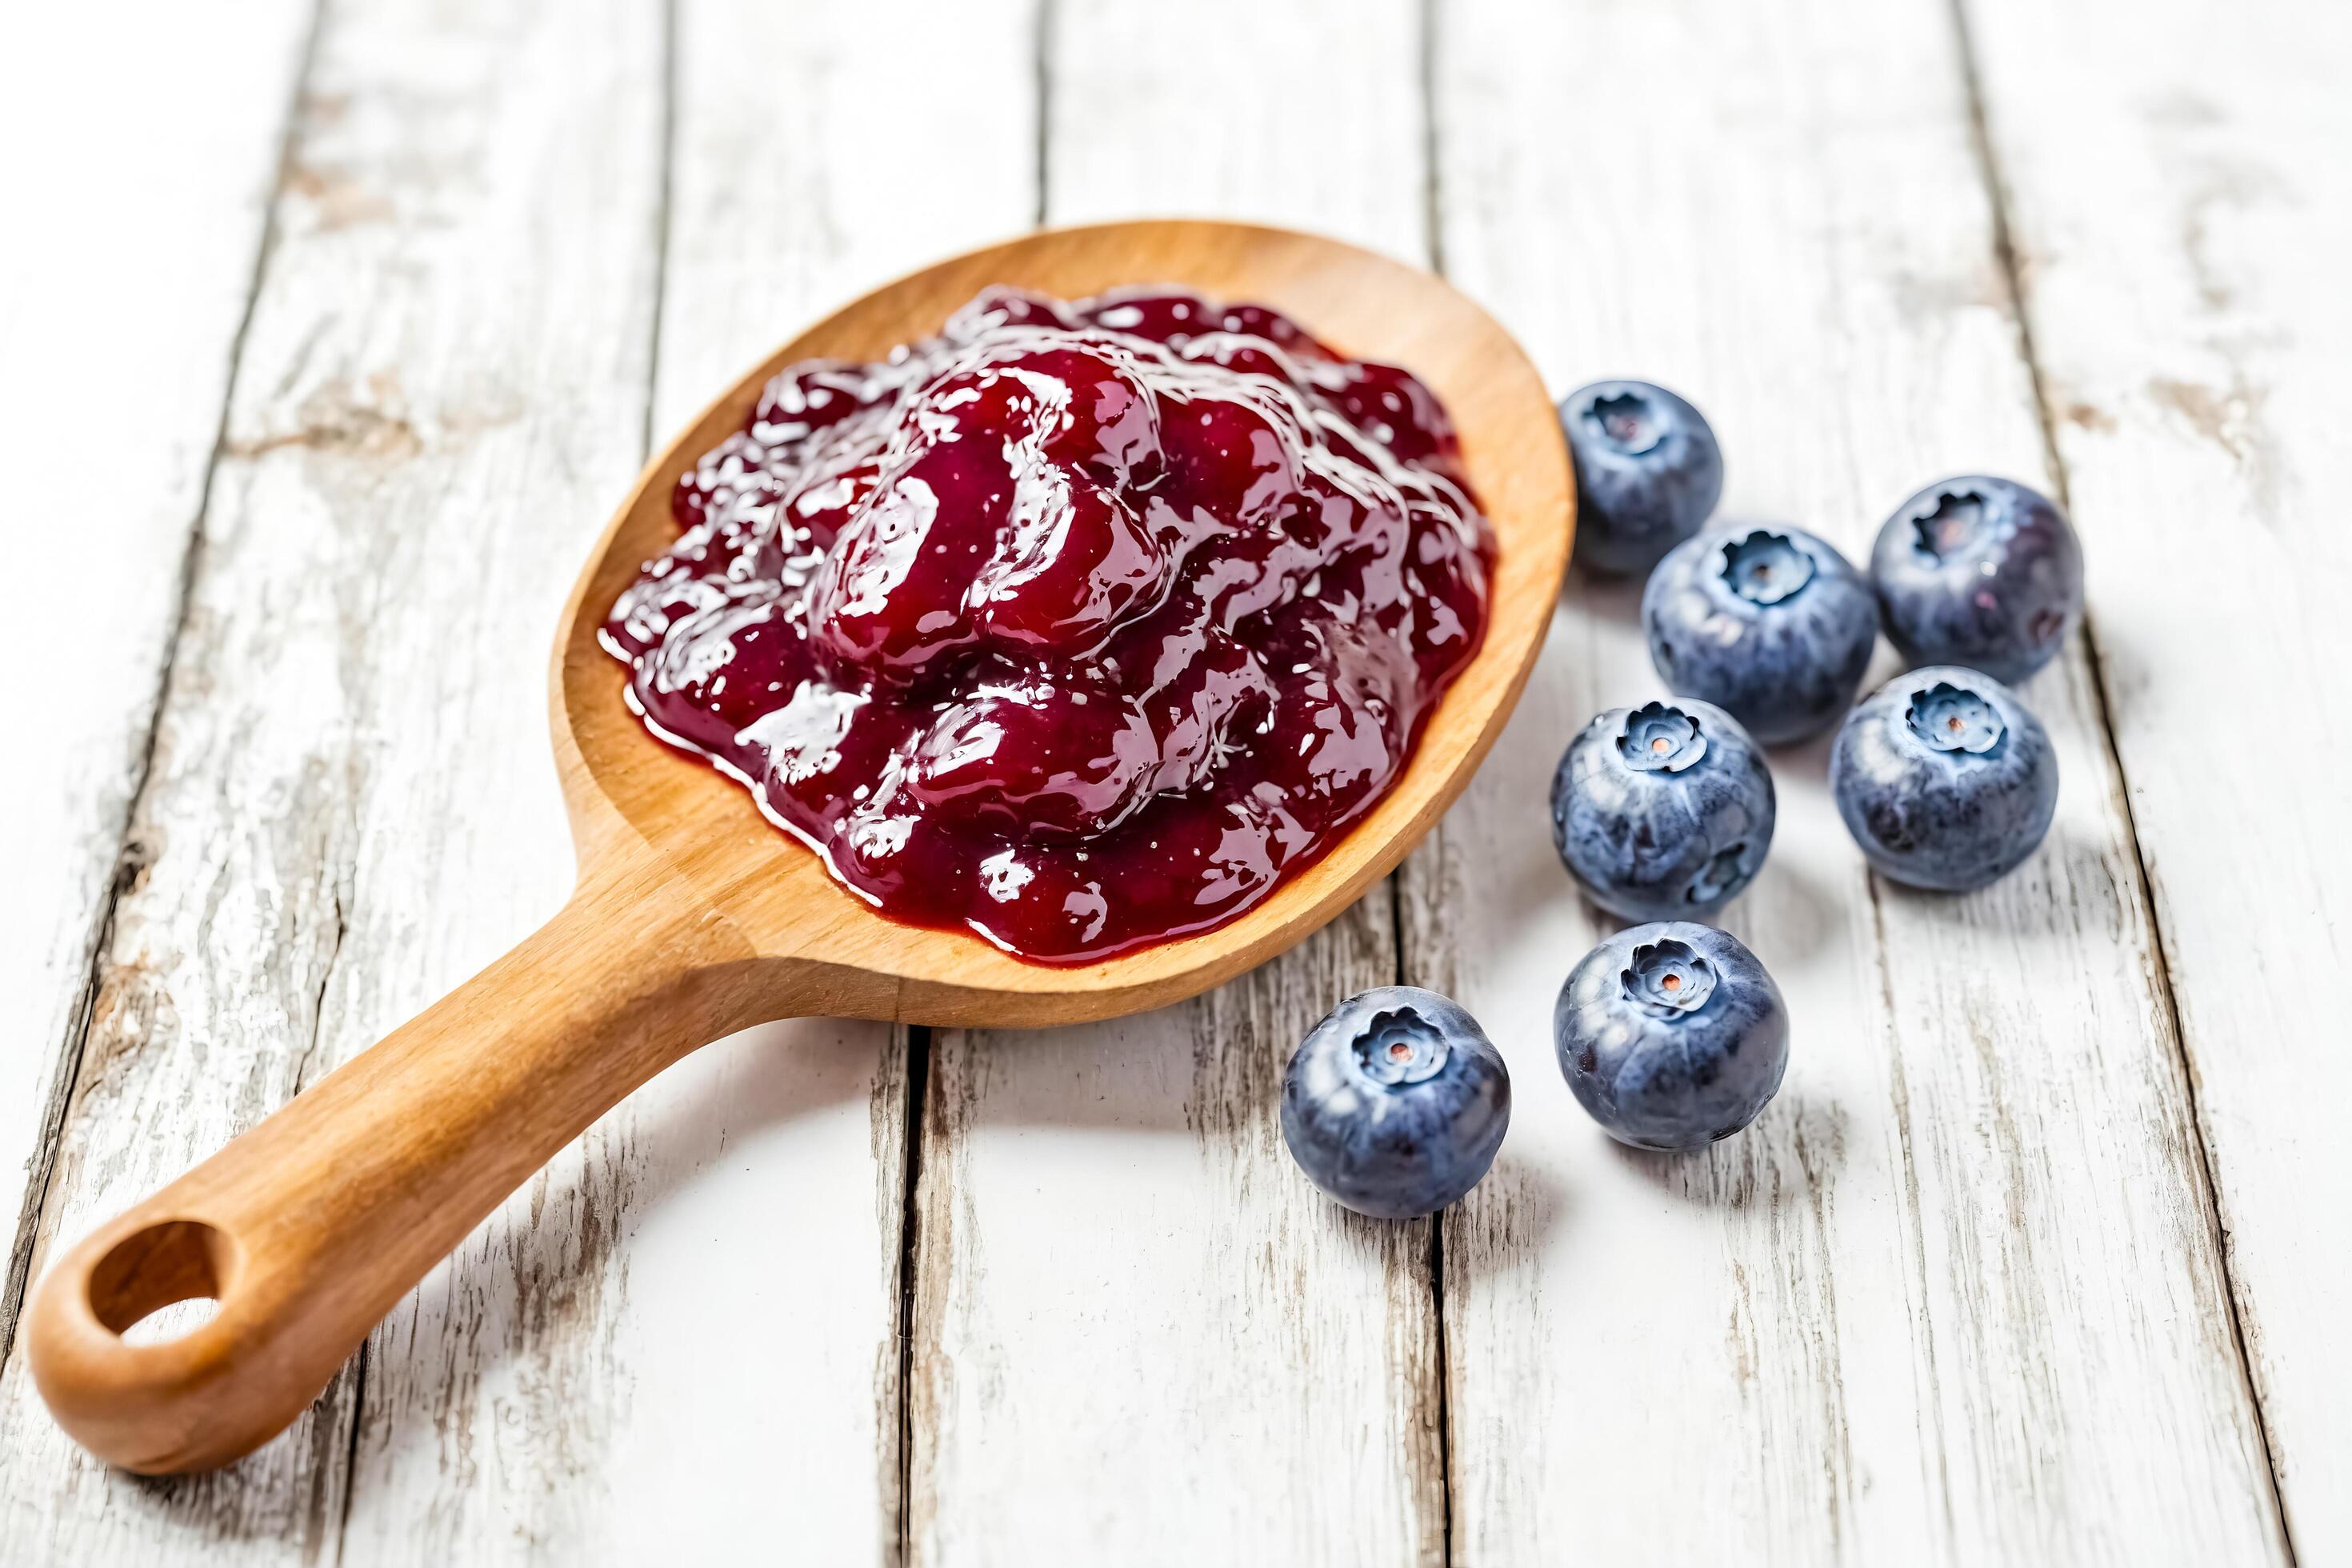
x=765 y=1173
x=1956 y=1296
x=1140 y=1336
x=2182 y=214
x=353 y=803
x=133 y=264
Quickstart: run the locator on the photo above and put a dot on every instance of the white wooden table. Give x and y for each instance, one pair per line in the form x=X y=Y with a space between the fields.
x=329 y=335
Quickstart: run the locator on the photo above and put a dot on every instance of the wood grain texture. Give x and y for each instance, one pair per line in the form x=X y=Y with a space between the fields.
x=765 y=1171
x=2182 y=214
x=443 y=388
x=1956 y=1296
x=76 y=317
x=1140 y=1336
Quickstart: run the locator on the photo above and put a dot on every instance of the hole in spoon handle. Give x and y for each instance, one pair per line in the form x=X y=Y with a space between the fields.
x=157 y=1266
x=311 y=1226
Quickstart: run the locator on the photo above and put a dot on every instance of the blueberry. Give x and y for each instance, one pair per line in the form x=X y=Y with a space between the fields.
x=1771 y=624
x=1672 y=1036
x=1978 y=572
x=1662 y=812
x=1944 y=779
x=1648 y=472
x=1396 y=1103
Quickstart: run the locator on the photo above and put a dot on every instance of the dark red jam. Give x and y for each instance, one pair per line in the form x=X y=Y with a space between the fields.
x=1079 y=626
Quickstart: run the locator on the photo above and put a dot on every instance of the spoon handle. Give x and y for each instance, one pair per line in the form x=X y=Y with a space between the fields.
x=311 y=1226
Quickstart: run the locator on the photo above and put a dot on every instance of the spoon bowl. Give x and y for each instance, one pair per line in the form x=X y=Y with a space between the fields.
x=695 y=917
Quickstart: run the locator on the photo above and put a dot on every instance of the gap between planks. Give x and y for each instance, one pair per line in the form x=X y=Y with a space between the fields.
x=910 y=1160
x=918 y=1036
x=1997 y=201
x=1433 y=223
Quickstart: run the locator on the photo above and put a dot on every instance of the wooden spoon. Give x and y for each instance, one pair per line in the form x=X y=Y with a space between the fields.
x=695 y=918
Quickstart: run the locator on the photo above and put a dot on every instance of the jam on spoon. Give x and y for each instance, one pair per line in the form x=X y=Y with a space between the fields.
x=1079 y=626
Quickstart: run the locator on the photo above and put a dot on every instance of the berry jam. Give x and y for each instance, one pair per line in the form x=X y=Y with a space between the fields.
x=1079 y=626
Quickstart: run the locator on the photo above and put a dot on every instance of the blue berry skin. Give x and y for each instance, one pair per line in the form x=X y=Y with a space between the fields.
x=1771 y=625
x=1663 y=812
x=1980 y=572
x=1672 y=1036
x=1395 y=1104
x=1945 y=779
x=1648 y=473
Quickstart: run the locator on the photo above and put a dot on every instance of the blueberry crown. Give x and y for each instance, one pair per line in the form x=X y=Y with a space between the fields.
x=1661 y=739
x=1668 y=979
x=1400 y=1046
x=1951 y=718
x=1627 y=421
x=1765 y=568
x=1958 y=523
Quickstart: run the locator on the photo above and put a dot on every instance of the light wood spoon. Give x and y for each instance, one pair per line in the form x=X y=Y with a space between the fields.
x=695 y=918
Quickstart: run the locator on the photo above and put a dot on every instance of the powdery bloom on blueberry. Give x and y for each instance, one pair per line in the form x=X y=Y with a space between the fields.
x=1648 y=472
x=1945 y=779
x=1672 y=1036
x=1662 y=812
x=1395 y=1103
x=1771 y=624
x=1980 y=572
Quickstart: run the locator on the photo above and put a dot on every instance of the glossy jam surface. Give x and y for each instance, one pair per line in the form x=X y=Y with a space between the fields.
x=1080 y=626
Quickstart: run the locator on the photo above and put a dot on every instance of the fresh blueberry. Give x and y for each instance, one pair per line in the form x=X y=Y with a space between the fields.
x=1981 y=572
x=1944 y=779
x=1648 y=472
x=1771 y=625
x=1672 y=1036
x=1396 y=1103
x=1662 y=812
